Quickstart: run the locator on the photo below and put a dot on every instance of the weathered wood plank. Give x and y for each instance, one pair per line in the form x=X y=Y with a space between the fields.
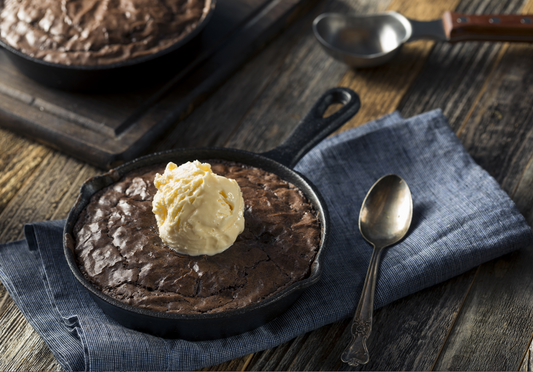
x=276 y=359
x=526 y=364
x=41 y=195
x=524 y=200
x=494 y=329
x=18 y=160
x=238 y=364
x=4 y=297
x=328 y=346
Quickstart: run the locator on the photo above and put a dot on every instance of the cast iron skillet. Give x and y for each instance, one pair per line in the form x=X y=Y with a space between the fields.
x=311 y=130
x=114 y=76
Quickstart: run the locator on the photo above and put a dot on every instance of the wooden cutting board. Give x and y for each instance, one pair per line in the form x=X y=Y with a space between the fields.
x=107 y=129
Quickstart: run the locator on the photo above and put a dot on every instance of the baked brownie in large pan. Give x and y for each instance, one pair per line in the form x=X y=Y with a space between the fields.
x=93 y=45
x=211 y=322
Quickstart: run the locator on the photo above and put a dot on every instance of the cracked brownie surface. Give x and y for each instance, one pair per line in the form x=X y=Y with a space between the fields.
x=118 y=248
x=93 y=32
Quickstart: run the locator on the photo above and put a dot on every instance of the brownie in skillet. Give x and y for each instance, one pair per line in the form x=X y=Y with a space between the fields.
x=119 y=251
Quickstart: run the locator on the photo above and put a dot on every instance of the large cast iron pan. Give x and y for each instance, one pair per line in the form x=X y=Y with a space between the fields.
x=311 y=130
x=114 y=76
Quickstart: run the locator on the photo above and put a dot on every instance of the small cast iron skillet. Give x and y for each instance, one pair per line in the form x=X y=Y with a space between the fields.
x=311 y=130
x=114 y=76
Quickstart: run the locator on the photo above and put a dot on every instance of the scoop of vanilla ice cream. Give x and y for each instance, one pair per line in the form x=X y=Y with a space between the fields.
x=197 y=211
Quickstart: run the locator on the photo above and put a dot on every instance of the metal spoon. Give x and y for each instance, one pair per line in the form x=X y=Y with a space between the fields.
x=384 y=219
x=372 y=40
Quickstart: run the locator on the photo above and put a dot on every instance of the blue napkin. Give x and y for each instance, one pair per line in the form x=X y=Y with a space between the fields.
x=461 y=219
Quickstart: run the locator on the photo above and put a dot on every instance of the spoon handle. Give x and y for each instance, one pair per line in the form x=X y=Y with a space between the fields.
x=488 y=27
x=356 y=353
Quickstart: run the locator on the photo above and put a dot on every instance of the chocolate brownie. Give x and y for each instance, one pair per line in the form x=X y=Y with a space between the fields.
x=118 y=248
x=94 y=32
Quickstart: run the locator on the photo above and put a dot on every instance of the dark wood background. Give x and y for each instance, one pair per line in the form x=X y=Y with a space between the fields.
x=481 y=320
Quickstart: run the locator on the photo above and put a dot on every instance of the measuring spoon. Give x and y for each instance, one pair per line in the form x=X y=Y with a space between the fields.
x=372 y=40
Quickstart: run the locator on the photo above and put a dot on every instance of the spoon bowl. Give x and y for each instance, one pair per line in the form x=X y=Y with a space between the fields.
x=386 y=212
x=362 y=41
x=384 y=220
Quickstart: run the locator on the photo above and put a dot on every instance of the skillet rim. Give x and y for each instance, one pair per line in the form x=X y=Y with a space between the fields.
x=244 y=157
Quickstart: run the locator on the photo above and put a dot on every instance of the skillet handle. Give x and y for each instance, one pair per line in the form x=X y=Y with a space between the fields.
x=314 y=127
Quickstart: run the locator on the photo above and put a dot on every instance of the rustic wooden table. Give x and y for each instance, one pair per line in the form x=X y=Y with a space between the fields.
x=481 y=320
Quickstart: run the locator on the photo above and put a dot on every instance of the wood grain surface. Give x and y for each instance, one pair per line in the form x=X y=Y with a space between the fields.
x=481 y=320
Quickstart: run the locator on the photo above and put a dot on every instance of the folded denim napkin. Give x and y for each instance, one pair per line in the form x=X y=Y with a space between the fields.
x=461 y=219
